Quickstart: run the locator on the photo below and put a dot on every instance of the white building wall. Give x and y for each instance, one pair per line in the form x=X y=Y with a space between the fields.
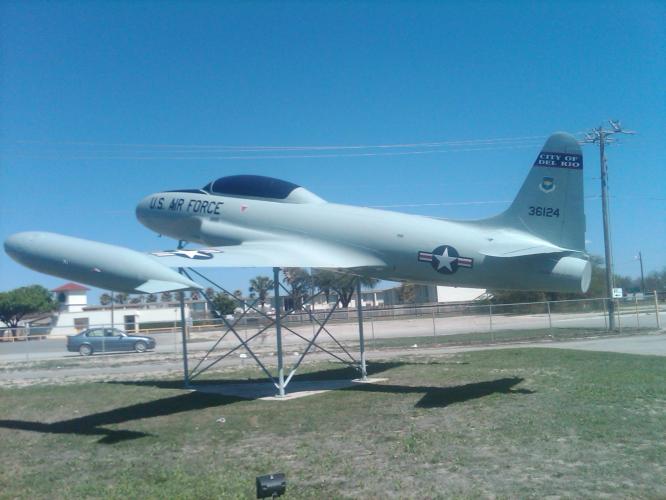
x=75 y=301
x=458 y=294
x=72 y=322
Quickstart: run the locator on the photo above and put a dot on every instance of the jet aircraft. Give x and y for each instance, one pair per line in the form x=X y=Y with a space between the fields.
x=538 y=243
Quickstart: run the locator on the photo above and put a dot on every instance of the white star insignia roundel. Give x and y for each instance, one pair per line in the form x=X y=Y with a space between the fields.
x=445 y=259
x=200 y=254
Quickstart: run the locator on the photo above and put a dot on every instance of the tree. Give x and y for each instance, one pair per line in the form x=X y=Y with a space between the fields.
x=137 y=299
x=656 y=280
x=324 y=281
x=407 y=293
x=261 y=285
x=344 y=285
x=121 y=298
x=105 y=299
x=210 y=292
x=151 y=297
x=15 y=304
x=166 y=297
x=223 y=304
x=300 y=283
x=194 y=295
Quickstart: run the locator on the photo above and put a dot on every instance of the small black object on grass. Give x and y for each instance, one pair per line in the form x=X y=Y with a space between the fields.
x=271 y=485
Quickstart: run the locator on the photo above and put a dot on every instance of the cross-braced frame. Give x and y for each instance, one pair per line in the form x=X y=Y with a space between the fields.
x=213 y=356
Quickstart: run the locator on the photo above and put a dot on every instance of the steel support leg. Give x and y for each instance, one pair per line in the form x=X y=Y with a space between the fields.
x=361 y=339
x=278 y=330
x=183 y=333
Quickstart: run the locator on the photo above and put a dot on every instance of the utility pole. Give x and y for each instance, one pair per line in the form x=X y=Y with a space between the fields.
x=602 y=137
x=640 y=258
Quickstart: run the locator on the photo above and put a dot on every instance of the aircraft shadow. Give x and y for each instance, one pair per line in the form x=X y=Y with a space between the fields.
x=340 y=373
x=441 y=397
x=93 y=425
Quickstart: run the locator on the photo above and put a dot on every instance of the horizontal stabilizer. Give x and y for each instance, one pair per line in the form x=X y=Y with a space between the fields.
x=508 y=251
x=157 y=286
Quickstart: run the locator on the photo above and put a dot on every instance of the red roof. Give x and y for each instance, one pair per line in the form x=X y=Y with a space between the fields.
x=70 y=287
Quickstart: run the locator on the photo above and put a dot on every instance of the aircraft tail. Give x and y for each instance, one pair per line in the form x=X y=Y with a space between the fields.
x=549 y=205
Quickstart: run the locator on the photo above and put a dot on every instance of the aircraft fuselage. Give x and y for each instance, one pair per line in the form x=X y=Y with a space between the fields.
x=414 y=248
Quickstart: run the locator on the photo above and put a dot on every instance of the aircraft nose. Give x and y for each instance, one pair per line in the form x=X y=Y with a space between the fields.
x=152 y=212
x=19 y=243
x=149 y=207
x=26 y=247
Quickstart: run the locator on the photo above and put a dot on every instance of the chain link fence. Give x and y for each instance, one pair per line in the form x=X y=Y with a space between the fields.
x=385 y=327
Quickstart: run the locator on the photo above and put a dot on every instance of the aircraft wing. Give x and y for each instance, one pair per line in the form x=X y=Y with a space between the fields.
x=271 y=253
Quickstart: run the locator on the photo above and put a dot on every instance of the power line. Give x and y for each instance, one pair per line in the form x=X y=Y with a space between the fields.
x=247 y=148
x=273 y=157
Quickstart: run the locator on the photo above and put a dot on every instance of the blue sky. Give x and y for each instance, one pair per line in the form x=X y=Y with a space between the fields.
x=105 y=102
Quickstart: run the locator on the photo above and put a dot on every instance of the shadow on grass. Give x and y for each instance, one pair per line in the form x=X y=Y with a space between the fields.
x=91 y=425
x=440 y=397
x=339 y=373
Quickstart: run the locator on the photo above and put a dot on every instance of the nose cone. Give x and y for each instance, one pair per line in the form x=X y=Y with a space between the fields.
x=143 y=209
x=20 y=245
x=168 y=213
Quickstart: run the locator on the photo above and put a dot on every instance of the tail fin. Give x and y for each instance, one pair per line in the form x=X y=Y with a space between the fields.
x=550 y=202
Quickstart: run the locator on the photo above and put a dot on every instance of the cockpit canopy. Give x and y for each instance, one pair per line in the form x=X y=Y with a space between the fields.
x=261 y=187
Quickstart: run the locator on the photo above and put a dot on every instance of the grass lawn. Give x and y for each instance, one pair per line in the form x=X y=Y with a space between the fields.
x=508 y=423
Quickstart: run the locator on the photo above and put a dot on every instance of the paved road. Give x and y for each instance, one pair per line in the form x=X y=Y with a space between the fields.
x=124 y=366
x=654 y=345
x=170 y=343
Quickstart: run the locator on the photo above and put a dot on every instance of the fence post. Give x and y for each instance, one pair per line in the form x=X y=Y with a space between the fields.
x=434 y=329
x=619 y=321
x=550 y=320
x=372 y=328
x=175 y=341
x=638 y=321
x=603 y=303
x=490 y=322
x=26 y=339
x=656 y=309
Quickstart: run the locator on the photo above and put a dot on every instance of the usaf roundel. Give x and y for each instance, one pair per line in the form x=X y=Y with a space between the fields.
x=445 y=259
x=201 y=254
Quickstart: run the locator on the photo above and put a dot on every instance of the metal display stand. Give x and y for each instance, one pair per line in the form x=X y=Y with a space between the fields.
x=213 y=356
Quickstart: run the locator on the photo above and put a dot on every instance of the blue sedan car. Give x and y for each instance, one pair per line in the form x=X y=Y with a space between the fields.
x=107 y=340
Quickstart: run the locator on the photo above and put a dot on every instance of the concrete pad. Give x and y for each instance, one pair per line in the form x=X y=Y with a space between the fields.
x=654 y=345
x=266 y=391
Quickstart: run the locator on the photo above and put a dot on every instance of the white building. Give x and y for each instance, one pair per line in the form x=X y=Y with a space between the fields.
x=71 y=297
x=76 y=315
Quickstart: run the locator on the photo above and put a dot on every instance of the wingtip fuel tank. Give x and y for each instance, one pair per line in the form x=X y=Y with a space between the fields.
x=97 y=264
